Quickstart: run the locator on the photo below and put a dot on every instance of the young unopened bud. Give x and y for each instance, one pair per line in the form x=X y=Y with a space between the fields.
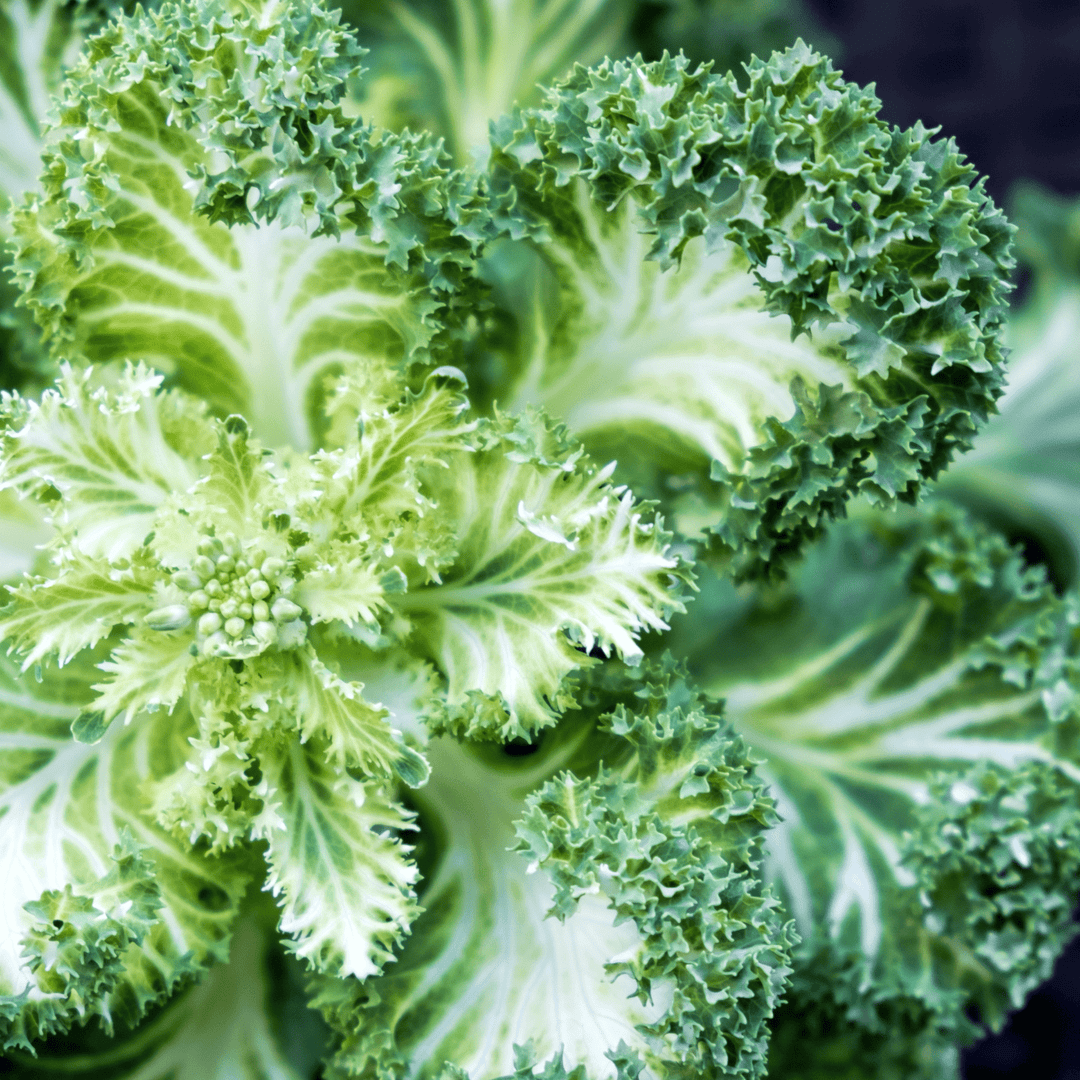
x=259 y=590
x=272 y=567
x=266 y=632
x=198 y=600
x=210 y=623
x=203 y=567
x=260 y=611
x=172 y=617
x=234 y=627
x=187 y=580
x=284 y=610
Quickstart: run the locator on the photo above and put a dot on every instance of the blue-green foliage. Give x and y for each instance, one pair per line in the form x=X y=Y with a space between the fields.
x=430 y=649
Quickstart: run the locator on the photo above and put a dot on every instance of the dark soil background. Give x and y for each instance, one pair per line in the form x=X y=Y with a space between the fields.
x=1003 y=79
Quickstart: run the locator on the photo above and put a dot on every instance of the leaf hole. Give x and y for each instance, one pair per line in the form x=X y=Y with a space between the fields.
x=213 y=898
x=520 y=748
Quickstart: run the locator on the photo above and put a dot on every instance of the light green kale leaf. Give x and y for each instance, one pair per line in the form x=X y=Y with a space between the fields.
x=761 y=299
x=453 y=68
x=107 y=913
x=592 y=903
x=177 y=132
x=39 y=40
x=230 y=1026
x=240 y=598
x=553 y=563
x=1023 y=473
x=912 y=683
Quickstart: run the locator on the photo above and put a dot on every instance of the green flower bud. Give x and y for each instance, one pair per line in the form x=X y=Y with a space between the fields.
x=260 y=610
x=266 y=632
x=203 y=567
x=198 y=600
x=225 y=564
x=213 y=587
x=210 y=623
x=244 y=611
x=235 y=627
x=172 y=617
x=272 y=567
x=284 y=610
x=228 y=608
x=259 y=590
x=187 y=580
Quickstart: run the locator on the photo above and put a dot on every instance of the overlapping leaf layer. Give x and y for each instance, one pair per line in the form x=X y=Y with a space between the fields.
x=335 y=603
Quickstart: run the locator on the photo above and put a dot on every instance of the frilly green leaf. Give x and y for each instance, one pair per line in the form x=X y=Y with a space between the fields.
x=640 y=937
x=997 y=862
x=177 y=133
x=880 y=243
x=244 y=1020
x=262 y=86
x=120 y=914
x=75 y=947
x=713 y=944
x=906 y=653
x=552 y=562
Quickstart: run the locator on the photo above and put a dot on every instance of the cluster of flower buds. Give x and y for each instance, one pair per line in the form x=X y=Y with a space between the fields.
x=237 y=598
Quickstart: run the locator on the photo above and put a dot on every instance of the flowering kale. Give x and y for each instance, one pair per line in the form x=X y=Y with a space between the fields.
x=425 y=596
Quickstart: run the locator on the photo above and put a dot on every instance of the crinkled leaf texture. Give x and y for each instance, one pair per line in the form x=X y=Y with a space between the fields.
x=238 y=1023
x=628 y=932
x=102 y=453
x=105 y=912
x=813 y=311
x=342 y=875
x=552 y=562
x=218 y=609
x=125 y=255
x=908 y=657
x=38 y=40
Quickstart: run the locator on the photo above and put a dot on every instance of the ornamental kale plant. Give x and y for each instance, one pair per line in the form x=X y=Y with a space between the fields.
x=485 y=596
